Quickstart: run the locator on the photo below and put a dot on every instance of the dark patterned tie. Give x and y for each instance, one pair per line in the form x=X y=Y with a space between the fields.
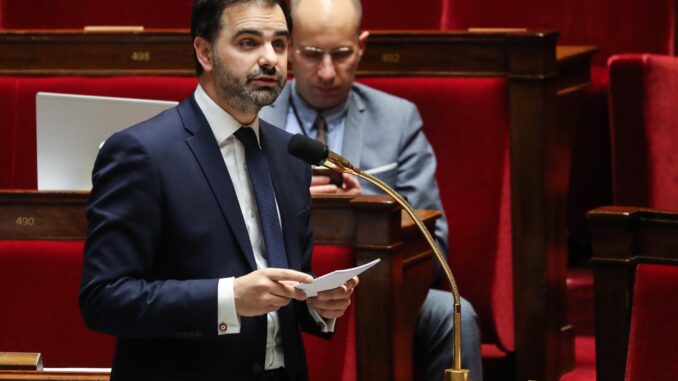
x=320 y=127
x=260 y=175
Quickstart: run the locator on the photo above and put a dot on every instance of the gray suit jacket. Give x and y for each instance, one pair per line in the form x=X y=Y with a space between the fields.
x=384 y=133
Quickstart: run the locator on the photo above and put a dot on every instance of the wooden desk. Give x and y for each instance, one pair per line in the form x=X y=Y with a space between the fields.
x=375 y=226
x=544 y=82
x=623 y=237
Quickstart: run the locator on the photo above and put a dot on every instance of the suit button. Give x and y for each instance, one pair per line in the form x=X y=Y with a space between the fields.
x=257 y=368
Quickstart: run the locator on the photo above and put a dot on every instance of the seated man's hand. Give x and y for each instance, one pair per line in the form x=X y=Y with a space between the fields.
x=266 y=290
x=322 y=184
x=332 y=304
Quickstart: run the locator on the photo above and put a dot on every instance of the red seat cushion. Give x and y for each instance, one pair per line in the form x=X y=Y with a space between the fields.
x=653 y=332
x=40 y=313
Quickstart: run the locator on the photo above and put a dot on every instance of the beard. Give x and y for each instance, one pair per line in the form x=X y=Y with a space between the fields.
x=243 y=93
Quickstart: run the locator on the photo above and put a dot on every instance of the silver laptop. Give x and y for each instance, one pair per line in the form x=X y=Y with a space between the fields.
x=71 y=128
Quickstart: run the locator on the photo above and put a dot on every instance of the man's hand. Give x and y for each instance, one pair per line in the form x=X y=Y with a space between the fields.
x=321 y=184
x=332 y=304
x=266 y=290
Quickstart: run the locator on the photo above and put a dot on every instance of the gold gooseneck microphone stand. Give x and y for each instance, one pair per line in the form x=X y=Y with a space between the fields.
x=340 y=164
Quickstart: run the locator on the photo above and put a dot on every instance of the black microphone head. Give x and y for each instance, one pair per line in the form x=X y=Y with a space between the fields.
x=307 y=149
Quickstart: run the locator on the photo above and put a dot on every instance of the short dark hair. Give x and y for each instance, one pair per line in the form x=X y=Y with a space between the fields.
x=206 y=19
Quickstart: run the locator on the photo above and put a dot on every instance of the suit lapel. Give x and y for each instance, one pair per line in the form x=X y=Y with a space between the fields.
x=206 y=151
x=353 y=130
x=277 y=156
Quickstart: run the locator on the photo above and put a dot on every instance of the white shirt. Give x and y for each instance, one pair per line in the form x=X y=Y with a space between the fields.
x=223 y=127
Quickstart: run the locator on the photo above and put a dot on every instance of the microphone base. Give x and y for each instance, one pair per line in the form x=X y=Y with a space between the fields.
x=456 y=375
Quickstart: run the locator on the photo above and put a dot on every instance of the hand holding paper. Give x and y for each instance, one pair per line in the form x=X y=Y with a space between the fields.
x=333 y=279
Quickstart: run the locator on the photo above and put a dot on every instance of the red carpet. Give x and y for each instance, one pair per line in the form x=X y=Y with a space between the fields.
x=585 y=360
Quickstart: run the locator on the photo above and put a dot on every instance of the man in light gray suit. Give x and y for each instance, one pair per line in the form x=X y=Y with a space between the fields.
x=379 y=133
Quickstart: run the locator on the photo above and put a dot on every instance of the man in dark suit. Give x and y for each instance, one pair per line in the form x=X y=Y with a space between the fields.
x=199 y=221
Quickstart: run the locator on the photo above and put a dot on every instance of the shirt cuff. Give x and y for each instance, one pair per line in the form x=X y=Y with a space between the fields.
x=228 y=321
x=326 y=325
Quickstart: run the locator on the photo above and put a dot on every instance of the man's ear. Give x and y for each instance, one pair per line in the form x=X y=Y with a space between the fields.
x=362 y=41
x=203 y=51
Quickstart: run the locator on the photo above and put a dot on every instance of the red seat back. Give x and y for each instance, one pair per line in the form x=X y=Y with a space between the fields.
x=466 y=121
x=39 y=295
x=643 y=92
x=653 y=332
x=612 y=25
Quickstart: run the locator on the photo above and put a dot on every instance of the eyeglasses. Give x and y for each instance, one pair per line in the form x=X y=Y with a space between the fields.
x=315 y=55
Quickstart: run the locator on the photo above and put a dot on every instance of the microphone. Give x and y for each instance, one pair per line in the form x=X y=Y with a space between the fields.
x=316 y=153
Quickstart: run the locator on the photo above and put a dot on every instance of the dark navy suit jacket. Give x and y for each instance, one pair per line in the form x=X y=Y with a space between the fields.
x=164 y=226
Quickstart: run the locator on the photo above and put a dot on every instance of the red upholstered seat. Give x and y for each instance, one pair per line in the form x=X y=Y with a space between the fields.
x=654 y=332
x=466 y=121
x=40 y=313
x=643 y=100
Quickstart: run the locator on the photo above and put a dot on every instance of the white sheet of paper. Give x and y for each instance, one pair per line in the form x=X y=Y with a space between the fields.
x=334 y=279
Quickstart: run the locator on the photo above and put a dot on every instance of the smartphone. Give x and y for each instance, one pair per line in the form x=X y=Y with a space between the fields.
x=336 y=178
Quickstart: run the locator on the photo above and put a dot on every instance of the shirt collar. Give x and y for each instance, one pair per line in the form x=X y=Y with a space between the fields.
x=223 y=125
x=333 y=116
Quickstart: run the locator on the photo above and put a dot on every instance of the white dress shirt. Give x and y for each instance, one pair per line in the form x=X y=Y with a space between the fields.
x=223 y=126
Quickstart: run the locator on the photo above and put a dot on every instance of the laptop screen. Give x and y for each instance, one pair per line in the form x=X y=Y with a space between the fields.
x=71 y=128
